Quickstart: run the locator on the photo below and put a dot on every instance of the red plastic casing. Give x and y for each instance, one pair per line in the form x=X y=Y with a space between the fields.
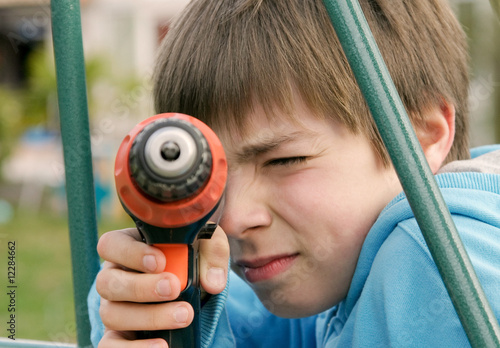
x=178 y=213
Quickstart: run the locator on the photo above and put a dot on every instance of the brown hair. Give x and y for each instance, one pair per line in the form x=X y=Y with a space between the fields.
x=223 y=56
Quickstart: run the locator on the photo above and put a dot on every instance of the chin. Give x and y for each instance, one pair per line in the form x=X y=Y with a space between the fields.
x=293 y=310
x=287 y=300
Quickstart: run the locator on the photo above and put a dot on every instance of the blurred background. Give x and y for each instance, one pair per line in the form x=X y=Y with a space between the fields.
x=120 y=42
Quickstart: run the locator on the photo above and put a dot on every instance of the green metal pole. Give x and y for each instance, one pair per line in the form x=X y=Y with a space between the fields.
x=8 y=343
x=417 y=180
x=72 y=95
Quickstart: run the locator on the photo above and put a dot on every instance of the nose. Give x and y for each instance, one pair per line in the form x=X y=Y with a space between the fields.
x=246 y=207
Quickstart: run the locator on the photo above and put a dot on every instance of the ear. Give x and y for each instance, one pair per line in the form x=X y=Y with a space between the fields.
x=436 y=134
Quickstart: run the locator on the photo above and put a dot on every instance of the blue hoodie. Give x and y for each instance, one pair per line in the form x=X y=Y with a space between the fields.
x=397 y=297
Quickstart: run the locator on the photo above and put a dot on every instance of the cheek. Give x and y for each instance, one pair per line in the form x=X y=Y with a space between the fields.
x=328 y=218
x=299 y=191
x=325 y=217
x=348 y=203
x=315 y=198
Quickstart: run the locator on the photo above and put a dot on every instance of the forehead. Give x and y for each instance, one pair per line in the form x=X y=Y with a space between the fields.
x=267 y=126
x=261 y=123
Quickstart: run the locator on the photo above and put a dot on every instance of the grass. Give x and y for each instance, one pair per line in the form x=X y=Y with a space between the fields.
x=44 y=293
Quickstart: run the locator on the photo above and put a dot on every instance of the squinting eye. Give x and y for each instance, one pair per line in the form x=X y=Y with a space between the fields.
x=286 y=161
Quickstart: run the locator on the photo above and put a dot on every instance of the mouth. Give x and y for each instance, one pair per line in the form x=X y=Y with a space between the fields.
x=266 y=268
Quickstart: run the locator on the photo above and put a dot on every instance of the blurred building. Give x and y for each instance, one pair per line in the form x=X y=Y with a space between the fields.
x=124 y=34
x=23 y=25
x=128 y=31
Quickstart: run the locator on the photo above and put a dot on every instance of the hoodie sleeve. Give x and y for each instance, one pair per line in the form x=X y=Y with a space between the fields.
x=96 y=325
x=404 y=302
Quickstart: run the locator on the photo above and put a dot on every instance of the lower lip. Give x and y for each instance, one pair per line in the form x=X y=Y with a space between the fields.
x=269 y=270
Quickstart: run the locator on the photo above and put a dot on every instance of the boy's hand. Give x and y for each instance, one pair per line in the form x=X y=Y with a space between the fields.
x=132 y=278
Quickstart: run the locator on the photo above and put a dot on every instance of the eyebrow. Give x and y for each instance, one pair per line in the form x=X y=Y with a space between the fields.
x=263 y=146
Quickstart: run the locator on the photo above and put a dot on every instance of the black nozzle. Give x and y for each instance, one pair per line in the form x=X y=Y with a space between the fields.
x=170 y=151
x=170 y=160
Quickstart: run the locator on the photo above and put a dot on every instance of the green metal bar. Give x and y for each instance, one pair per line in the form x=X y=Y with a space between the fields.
x=72 y=95
x=414 y=173
x=8 y=343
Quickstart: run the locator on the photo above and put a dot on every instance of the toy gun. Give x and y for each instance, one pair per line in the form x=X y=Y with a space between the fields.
x=170 y=174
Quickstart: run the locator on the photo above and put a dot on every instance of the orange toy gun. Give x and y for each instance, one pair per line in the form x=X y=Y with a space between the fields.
x=170 y=174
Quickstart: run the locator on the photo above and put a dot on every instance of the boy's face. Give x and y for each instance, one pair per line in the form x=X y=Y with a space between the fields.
x=300 y=199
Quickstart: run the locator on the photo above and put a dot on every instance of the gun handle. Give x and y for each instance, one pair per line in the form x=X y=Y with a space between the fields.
x=182 y=260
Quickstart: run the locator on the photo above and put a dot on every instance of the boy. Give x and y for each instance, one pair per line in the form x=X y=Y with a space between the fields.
x=325 y=247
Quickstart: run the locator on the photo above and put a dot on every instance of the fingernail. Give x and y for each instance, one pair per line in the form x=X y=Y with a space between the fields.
x=149 y=262
x=181 y=315
x=157 y=345
x=216 y=276
x=163 y=288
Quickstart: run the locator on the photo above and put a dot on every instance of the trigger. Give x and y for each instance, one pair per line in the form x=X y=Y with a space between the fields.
x=207 y=231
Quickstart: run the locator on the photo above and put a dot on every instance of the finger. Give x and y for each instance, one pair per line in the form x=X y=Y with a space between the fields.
x=124 y=247
x=214 y=258
x=116 y=284
x=118 y=339
x=126 y=316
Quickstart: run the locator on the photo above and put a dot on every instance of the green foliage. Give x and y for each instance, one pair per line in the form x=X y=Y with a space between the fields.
x=496 y=7
x=43 y=275
x=40 y=96
x=11 y=114
x=41 y=89
x=36 y=103
x=44 y=301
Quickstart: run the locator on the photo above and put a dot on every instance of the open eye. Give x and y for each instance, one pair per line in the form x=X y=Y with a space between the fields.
x=286 y=161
